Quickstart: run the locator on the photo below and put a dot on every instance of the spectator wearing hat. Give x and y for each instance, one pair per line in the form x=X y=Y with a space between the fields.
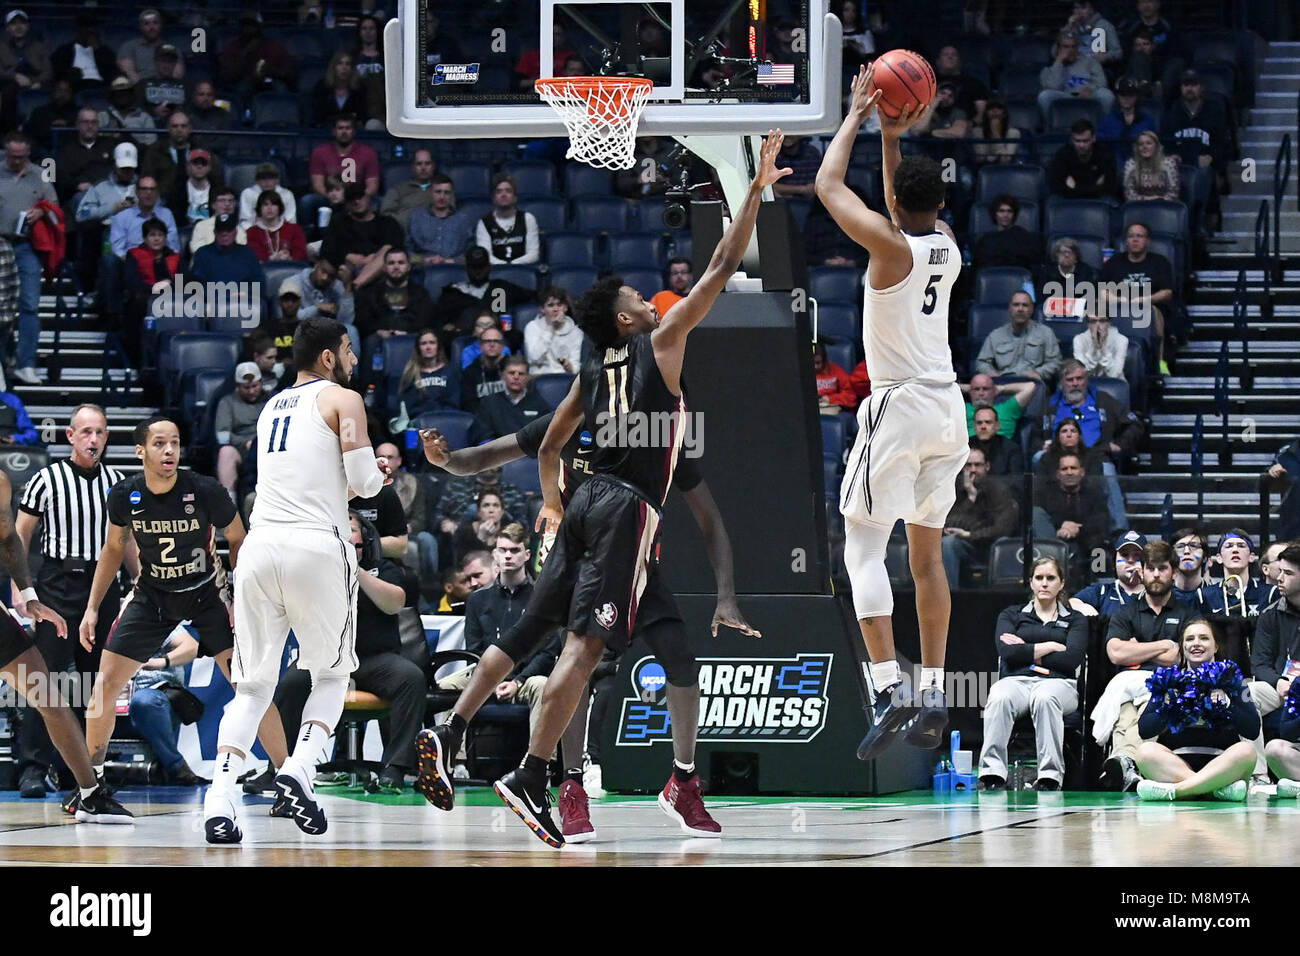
x=266 y=176
x=223 y=204
x=510 y=235
x=23 y=58
x=59 y=113
x=1154 y=62
x=253 y=62
x=1008 y=244
x=125 y=113
x=415 y=194
x=112 y=195
x=84 y=159
x=361 y=238
x=164 y=92
x=22 y=187
x=166 y=159
x=1121 y=125
x=461 y=302
x=272 y=237
x=191 y=198
x=1083 y=168
x=324 y=294
x=438 y=233
x=135 y=58
x=1104 y=598
x=235 y=423
x=203 y=110
x=84 y=58
x=1198 y=125
x=289 y=300
x=343 y=156
x=224 y=259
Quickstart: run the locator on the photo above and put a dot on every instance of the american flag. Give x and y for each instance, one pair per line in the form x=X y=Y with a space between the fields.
x=775 y=74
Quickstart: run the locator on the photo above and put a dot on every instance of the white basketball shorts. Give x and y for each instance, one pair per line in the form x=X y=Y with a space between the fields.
x=304 y=580
x=911 y=446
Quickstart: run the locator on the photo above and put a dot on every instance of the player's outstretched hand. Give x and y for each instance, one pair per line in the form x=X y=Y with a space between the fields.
x=864 y=102
x=908 y=117
x=728 y=613
x=767 y=171
x=548 y=519
x=436 y=448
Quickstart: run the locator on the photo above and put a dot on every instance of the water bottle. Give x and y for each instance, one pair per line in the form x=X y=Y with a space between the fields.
x=399 y=151
x=370 y=395
x=507 y=322
x=323 y=215
x=411 y=454
x=377 y=363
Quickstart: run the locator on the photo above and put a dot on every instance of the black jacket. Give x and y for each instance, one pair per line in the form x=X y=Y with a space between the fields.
x=346 y=235
x=491 y=612
x=376 y=309
x=1277 y=640
x=1070 y=628
x=1086 y=505
x=1100 y=165
x=377 y=632
x=1004 y=455
x=105 y=61
x=1136 y=620
x=80 y=163
x=1016 y=246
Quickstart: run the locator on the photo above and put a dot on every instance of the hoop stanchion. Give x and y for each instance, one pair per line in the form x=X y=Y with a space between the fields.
x=600 y=113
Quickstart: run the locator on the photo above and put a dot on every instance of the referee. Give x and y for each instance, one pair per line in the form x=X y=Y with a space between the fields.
x=69 y=499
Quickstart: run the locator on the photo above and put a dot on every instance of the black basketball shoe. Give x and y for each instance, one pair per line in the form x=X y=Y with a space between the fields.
x=889 y=714
x=530 y=798
x=301 y=801
x=926 y=731
x=99 y=807
x=434 y=748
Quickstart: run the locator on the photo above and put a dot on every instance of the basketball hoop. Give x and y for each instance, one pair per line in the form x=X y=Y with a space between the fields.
x=600 y=113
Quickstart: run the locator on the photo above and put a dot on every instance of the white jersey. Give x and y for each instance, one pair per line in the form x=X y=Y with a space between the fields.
x=905 y=327
x=300 y=476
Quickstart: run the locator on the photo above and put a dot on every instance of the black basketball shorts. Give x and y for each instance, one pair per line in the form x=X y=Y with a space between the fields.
x=150 y=616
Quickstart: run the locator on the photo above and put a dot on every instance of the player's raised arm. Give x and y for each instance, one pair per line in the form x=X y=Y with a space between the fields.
x=469 y=461
x=689 y=312
x=568 y=416
x=891 y=154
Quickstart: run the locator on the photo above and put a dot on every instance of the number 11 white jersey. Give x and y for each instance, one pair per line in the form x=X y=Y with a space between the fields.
x=905 y=327
x=300 y=477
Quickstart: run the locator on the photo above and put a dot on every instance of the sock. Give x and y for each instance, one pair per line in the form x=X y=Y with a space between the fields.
x=99 y=770
x=225 y=775
x=87 y=791
x=574 y=775
x=884 y=675
x=535 y=766
x=457 y=723
x=311 y=739
x=931 y=677
x=683 y=771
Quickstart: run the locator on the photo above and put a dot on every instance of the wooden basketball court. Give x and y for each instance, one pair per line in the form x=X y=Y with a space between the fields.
x=917 y=829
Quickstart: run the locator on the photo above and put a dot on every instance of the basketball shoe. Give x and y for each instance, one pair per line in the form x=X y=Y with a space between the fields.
x=684 y=804
x=890 y=713
x=575 y=814
x=527 y=794
x=433 y=747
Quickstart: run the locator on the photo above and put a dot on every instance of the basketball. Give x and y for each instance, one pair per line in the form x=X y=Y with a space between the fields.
x=905 y=77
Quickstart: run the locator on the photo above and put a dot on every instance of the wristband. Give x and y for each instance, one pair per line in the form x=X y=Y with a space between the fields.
x=27 y=595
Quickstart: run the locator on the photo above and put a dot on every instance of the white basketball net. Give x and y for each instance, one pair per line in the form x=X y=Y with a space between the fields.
x=601 y=117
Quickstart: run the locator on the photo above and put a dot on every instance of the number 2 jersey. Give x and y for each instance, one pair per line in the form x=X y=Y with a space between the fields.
x=636 y=424
x=176 y=531
x=905 y=327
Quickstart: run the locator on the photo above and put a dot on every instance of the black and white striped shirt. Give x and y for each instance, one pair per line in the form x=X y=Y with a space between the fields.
x=73 y=505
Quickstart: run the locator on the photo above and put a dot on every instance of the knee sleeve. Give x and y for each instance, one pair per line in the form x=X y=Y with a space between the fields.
x=864 y=557
x=526 y=638
x=325 y=702
x=243 y=715
x=667 y=640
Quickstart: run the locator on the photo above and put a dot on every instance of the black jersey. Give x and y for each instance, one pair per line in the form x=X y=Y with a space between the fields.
x=176 y=531
x=637 y=425
x=575 y=457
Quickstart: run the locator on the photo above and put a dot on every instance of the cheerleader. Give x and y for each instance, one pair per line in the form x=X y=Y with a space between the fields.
x=1193 y=728
x=1283 y=754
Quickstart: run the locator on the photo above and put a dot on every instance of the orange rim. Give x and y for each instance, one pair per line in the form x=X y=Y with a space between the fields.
x=616 y=90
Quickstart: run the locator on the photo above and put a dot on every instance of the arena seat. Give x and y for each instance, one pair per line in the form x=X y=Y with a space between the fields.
x=208 y=385
x=1158 y=215
x=571 y=249
x=650 y=215
x=471 y=180
x=1089 y=246
x=475 y=208
x=1063 y=114
x=834 y=438
x=646 y=281
x=524 y=314
x=1025 y=116
x=995 y=285
x=1006 y=567
x=533 y=178
x=397 y=351
x=552 y=388
x=435 y=277
x=551 y=214
x=576 y=279
x=274 y=274
x=193 y=350
x=1116 y=388
x=837 y=321
x=1077 y=217
x=523 y=475
x=601 y=215
x=898 y=564
x=841 y=284
x=525 y=276
x=395 y=173
x=453 y=425
x=843 y=355
x=1023 y=182
x=1020 y=80
x=20 y=464
x=583 y=180
x=277 y=111
x=832 y=476
x=636 y=251
x=982 y=320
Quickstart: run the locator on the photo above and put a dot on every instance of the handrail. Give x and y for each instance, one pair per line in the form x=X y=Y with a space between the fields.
x=1265 y=508
x=1240 y=303
x=108 y=389
x=1261 y=235
x=1281 y=177
x=1167 y=518
x=1197 y=445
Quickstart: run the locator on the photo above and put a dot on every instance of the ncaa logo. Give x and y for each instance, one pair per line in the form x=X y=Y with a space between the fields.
x=606 y=615
x=135 y=497
x=584 y=439
x=650 y=680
